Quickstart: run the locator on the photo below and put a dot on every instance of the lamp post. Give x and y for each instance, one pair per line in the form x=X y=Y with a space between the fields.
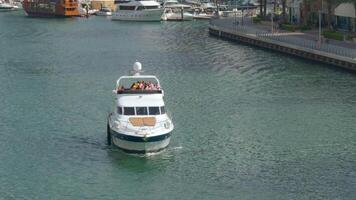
x=272 y=14
x=242 y=17
x=236 y=14
x=319 y=36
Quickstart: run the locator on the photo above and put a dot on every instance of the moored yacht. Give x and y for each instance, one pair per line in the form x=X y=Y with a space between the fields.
x=104 y=11
x=6 y=6
x=174 y=11
x=146 y=10
x=139 y=123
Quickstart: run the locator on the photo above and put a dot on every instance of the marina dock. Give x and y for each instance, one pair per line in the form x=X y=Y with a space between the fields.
x=282 y=42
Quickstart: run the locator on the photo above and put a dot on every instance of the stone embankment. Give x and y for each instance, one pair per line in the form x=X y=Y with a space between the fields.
x=287 y=42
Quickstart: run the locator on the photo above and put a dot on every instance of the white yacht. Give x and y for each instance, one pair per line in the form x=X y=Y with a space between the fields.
x=139 y=123
x=146 y=10
x=104 y=11
x=175 y=11
x=6 y=6
x=203 y=15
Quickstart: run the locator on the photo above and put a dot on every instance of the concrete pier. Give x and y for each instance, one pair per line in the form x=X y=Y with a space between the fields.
x=342 y=58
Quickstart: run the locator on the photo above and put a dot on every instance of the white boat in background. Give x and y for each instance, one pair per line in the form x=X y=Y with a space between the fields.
x=147 y=10
x=208 y=6
x=193 y=2
x=174 y=11
x=172 y=14
x=6 y=7
x=139 y=123
x=104 y=11
x=174 y=4
x=203 y=16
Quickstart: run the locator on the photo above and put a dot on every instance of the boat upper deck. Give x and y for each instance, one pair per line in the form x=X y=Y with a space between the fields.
x=138 y=91
x=138 y=85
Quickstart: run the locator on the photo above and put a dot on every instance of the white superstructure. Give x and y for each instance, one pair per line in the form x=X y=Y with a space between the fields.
x=175 y=11
x=104 y=11
x=6 y=6
x=139 y=123
x=138 y=11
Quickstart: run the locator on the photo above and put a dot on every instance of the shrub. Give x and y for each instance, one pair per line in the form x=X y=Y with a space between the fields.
x=256 y=20
x=304 y=27
x=333 y=35
x=289 y=27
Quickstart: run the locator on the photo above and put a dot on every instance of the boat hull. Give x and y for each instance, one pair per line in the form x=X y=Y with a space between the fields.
x=5 y=8
x=138 y=15
x=203 y=16
x=177 y=17
x=103 y=13
x=134 y=144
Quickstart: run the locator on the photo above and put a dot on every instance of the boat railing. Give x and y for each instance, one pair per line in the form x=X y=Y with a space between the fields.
x=138 y=91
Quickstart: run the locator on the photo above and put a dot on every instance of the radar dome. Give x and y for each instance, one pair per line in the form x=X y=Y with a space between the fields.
x=137 y=66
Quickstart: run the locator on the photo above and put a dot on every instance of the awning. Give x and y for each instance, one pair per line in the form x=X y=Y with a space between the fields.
x=345 y=10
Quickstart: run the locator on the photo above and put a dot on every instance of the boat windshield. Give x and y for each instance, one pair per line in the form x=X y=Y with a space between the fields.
x=147 y=7
x=122 y=7
x=142 y=110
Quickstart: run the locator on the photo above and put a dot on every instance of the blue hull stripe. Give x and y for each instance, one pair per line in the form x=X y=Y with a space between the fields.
x=139 y=139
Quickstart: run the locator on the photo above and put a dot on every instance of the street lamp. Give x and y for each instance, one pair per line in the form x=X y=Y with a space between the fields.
x=320 y=11
x=236 y=14
x=272 y=15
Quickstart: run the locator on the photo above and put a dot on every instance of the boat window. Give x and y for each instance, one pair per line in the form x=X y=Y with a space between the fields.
x=153 y=110
x=141 y=110
x=127 y=7
x=151 y=7
x=119 y=110
x=163 y=110
x=140 y=8
x=129 y=111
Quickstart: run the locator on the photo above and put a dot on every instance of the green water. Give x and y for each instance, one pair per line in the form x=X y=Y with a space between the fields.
x=249 y=123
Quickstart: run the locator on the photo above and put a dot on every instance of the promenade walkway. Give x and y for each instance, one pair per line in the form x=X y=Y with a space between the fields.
x=306 y=39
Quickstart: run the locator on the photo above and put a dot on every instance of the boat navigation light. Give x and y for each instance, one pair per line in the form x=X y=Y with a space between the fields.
x=137 y=67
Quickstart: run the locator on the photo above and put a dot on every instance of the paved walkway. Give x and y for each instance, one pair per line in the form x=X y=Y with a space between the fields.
x=306 y=39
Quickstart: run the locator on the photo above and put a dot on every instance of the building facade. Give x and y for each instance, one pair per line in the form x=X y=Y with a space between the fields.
x=344 y=17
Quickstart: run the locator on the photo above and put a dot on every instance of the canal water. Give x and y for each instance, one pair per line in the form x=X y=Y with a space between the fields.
x=249 y=123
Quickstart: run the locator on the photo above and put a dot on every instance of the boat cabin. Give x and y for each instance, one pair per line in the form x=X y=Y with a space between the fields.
x=104 y=9
x=141 y=110
x=139 y=95
x=138 y=5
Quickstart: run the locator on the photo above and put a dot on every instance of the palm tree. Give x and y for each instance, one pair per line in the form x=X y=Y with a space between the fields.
x=305 y=11
x=330 y=5
x=264 y=7
x=284 y=2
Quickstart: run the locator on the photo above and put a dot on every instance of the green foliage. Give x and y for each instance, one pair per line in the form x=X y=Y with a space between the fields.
x=333 y=35
x=304 y=27
x=292 y=27
x=289 y=27
x=257 y=20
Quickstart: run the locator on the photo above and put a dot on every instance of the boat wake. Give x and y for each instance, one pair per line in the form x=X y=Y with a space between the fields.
x=165 y=152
